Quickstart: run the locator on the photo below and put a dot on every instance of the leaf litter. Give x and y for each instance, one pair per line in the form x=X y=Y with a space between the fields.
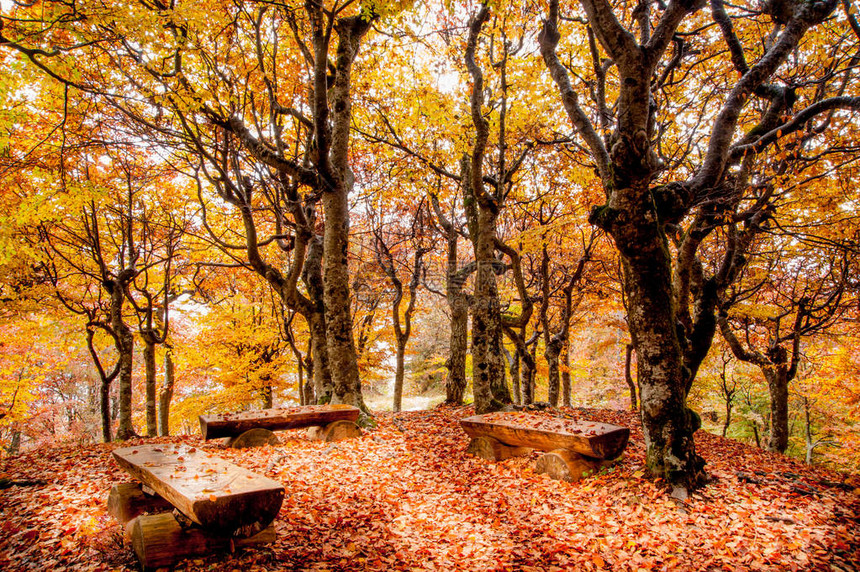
x=405 y=496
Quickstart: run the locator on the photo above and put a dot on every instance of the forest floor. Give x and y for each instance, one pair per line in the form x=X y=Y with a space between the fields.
x=405 y=496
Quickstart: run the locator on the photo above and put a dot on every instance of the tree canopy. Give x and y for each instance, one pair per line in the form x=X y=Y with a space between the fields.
x=291 y=201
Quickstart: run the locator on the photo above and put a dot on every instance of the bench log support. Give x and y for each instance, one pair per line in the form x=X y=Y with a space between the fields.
x=256 y=437
x=160 y=540
x=127 y=501
x=494 y=450
x=335 y=431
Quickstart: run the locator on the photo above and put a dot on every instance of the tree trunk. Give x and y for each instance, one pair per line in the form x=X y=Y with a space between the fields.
x=728 y=421
x=553 y=350
x=455 y=385
x=266 y=393
x=341 y=349
x=166 y=394
x=514 y=367
x=486 y=323
x=316 y=319
x=105 y=408
x=398 y=375
x=566 y=397
x=777 y=384
x=628 y=377
x=14 y=443
x=663 y=384
x=149 y=364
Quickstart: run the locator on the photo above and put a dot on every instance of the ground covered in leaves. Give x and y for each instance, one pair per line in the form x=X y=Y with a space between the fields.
x=405 y=496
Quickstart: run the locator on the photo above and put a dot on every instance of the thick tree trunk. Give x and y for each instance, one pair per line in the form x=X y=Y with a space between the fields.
x=150 y=383
x=165 y=396
x=486 y=326
x=667 y=423
x=777 y=384
x=341 y=349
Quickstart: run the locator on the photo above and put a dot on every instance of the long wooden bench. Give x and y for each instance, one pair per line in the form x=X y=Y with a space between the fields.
x=253 y=428
x=574 y=449
x=216 y=504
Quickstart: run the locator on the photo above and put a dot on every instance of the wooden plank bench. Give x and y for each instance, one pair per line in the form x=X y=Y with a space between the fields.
x=253 y=428
x=216 y=504
x=574 y=449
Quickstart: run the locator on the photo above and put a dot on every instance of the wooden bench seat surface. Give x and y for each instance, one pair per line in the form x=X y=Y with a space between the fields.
x=214 y=493
x=234 y=424
x=590 y=438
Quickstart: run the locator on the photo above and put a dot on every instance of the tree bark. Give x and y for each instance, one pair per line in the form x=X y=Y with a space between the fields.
x=316 y=319
x=124 y=341
x=514 y=368
x=777 y=385
x=455 y=385
x=166 y=394
x=150 y=384
x=663 y=382
x=566 y=397
x=628 y=377
x=553 y=350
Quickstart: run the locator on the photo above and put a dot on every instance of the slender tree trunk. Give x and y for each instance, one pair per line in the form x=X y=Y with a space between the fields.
x=316 y=319
x=514 y=368
x=398 y=376
x=165 y=396
x=553 y=350
x=125 y=430
x=628 y=377
x=455 y=385
x=105 y=409
x=728 y=421
x=149 y=364
x=566 y=397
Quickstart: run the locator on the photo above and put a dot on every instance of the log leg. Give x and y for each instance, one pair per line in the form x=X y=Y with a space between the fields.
x=334 y=431
x=127 y=500
x=494 y=450
x=256 y=437
x=565 y=465
x=159 y=541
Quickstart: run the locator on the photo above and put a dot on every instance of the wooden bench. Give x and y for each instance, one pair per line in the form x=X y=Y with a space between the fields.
x=574 y=449
x=216 y=505
x=254 y=428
